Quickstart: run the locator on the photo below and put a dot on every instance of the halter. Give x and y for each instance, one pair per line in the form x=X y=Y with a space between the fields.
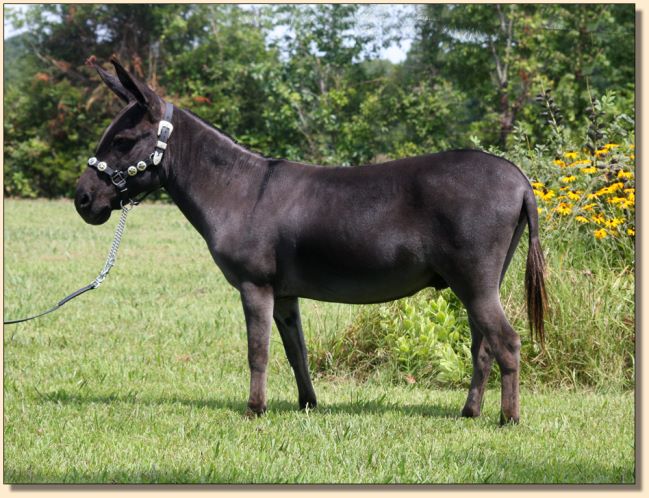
x=119 y=177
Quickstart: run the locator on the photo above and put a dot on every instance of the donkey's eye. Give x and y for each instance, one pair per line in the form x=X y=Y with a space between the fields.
x=123 y=143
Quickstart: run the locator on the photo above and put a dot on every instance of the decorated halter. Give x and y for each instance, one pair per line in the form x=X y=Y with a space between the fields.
x=119 y=177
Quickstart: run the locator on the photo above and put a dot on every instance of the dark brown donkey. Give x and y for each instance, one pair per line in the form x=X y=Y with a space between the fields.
x=280 y=230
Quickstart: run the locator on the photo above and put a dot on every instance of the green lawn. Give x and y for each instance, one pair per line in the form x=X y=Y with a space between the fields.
x=145 y=380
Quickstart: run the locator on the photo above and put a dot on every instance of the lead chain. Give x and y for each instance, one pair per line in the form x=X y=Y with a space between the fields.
x=112 y=253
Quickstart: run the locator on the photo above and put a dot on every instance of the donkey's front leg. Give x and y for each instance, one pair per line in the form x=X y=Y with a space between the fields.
x=287 y=319
x=258 y=309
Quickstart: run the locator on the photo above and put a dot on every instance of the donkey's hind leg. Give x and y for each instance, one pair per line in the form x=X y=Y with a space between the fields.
x=481 y=354
x=487 y=314
x=482 y=360
x=287 y=319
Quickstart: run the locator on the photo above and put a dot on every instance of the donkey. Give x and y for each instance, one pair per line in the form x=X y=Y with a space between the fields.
x=280 y=230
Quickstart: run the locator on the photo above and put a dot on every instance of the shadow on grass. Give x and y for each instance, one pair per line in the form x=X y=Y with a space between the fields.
x=359 y=407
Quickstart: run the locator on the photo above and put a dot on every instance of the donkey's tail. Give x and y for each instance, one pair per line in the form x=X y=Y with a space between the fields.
x=537 y=301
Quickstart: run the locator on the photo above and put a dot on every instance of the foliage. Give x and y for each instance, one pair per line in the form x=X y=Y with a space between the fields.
x=307 y=82
x=586 y=192
x=421 y=339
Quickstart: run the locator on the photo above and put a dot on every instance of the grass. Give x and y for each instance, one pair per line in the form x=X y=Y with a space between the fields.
x=145 y=380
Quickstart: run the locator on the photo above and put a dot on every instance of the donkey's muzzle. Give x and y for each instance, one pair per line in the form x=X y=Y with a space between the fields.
x=89 y=209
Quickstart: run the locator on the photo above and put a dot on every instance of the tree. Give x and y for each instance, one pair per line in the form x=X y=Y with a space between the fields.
x=500 y=56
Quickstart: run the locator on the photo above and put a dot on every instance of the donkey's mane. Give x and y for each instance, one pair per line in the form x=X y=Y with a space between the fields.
x=225 y=134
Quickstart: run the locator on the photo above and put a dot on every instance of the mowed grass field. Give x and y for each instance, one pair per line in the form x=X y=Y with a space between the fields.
x=145 y=380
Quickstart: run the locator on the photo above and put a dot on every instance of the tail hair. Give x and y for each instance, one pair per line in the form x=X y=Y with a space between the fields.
x=537 y=300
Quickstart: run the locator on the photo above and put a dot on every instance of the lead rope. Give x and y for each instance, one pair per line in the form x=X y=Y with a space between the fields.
x=110 y=261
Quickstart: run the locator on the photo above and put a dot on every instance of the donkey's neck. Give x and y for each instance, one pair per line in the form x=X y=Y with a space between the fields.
x=206 y=171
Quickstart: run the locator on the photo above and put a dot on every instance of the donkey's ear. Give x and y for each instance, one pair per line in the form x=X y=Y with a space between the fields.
x=110 y=80
x=140 y=91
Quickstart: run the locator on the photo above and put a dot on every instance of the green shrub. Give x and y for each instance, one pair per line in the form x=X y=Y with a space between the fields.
x=424 y=338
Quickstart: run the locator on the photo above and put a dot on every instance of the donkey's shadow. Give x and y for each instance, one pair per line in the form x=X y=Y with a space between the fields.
x=237 y=405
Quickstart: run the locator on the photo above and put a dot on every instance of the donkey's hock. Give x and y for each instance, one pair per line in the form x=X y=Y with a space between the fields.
x=280 y=230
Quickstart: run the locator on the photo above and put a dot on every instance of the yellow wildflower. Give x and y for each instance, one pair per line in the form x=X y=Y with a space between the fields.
x=588 y=207
x=589 y=170
x=537 y=185
x=568 y=179
x=630 y=231
x=631 y=146
x=617 y=186
x=563 y=208
x=616 y=200
x=613 y=222
x=632 y=157
x=581 y=162
x=581 y=219
x=627 y=175
x=545 y=195
x=600 y=234
x=601 y=152
x=560 y=163
x=599 y=219
x=611 y=146
x=573 y=195
x=570 y=155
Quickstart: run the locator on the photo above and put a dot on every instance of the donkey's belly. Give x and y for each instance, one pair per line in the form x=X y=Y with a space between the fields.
x=356 y=286
x=334 y=262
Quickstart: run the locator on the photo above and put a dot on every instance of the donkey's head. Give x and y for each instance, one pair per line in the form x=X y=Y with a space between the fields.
x=127 y=159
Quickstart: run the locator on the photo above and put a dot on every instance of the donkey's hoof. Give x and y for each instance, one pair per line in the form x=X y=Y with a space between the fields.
x=470 y=412
x=254 y=412
x=308 y=404
x=508 y=420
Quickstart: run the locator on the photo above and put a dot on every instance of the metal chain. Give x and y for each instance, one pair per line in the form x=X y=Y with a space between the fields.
x=110 y=261
x=112 y=253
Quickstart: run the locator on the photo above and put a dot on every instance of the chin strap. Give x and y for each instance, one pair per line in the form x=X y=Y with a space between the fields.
x=119 y=177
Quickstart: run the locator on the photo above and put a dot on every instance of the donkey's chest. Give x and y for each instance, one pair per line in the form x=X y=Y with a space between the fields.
x=243 y=256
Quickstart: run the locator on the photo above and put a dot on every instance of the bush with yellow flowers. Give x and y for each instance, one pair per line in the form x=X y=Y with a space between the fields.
x=591 y=192
x=584 y=177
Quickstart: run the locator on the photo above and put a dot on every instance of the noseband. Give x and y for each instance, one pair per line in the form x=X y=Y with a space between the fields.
x=119 y=177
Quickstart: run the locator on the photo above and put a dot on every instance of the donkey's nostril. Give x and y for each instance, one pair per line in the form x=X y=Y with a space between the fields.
x=84 y=200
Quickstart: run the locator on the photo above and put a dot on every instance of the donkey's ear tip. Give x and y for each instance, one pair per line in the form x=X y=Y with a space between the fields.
x=91 y=61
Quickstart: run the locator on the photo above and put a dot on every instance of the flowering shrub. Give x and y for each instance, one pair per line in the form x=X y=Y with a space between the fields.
x=594 y=193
